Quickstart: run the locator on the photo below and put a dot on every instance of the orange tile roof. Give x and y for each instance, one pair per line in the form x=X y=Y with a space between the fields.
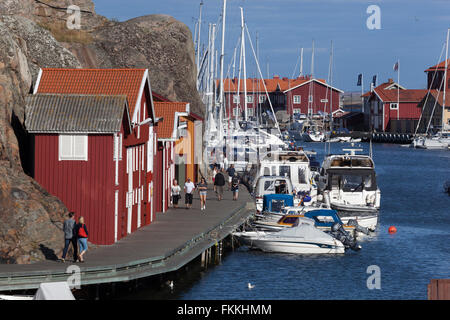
x=439 y=66
x=166 y=110
x=393 y=95
x=256 y=85
x=93 y=81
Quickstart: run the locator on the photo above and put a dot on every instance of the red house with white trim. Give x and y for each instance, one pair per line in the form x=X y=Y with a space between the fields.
x=100 y=171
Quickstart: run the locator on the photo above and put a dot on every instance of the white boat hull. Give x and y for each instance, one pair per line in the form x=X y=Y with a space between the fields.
x=297 y=247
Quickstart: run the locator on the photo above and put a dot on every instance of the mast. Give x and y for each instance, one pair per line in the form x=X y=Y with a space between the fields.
x=311 y=88
x=198 y=41
x=445 y=80
x=243 y=63
x=211 y=75
x=301 y=62
x=222 y=55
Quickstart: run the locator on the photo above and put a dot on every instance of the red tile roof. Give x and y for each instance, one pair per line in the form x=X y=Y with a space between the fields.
x=93 y=81
x=256 y=85
x=166 y=110
x=439 y=66
x=393 y=95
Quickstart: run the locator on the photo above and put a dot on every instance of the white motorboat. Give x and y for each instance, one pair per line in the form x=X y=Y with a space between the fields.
x=303 y=238
x=313 y=136
x=429 y=143
x=296 y=166
x=348 y=185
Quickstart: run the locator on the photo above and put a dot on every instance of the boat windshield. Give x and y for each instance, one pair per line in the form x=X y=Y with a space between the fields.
x=302 y=175
x=288 y=220
x=354 y=181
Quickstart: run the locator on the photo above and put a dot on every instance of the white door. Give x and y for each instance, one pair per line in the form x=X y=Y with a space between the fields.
x=130 y=161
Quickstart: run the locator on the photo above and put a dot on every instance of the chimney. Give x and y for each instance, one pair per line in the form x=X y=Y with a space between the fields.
x=285 y=79
x=276 y=76
x=391 y=80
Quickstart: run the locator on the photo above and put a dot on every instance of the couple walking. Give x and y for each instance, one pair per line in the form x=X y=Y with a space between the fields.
x=189 y=188
x=233 y=182
x=77 y=234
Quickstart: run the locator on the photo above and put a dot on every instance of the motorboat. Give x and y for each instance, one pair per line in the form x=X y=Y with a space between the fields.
x=273 y=185
x=323 y=218
x=348 y=185
x=303 y=238
x=296 y=165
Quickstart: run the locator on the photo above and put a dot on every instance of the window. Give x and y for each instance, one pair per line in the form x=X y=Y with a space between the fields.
x=285 y=171
x=302 y=175
x=394 y=106
x=297 y=99
x=296 y=110
x=236 y=112
x=249 y=99
x=73 y=147
x=310 y=98
x=236 y=98
x=262 y=99
x=250 y=112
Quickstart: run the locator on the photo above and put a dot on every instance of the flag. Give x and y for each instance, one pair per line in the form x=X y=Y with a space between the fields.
x=359 y=80
x=396 y=66
x=374 y=80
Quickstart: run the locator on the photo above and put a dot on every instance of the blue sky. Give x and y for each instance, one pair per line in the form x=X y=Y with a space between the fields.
x=412 y=31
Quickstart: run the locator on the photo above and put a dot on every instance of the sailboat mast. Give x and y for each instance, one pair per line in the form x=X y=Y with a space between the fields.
x=243 y=63
x=301 y=62
x=211 y=76
x=198 y=38
x=222 y=55
x=445 y=80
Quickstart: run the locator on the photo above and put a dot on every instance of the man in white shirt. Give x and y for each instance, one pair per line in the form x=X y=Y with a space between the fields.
x=189 y=188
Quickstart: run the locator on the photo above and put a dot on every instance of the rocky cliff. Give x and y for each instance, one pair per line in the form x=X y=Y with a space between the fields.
x=33 y=34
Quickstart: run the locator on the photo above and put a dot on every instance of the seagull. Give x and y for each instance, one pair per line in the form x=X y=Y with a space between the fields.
x=250 y=286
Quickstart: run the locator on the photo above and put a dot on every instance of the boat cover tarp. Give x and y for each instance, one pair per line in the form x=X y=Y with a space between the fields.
x=54 y=291
x=275 y=202
x=305 y=230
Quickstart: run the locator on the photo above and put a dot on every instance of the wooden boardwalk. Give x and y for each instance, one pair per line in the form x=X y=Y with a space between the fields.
x=174 y=239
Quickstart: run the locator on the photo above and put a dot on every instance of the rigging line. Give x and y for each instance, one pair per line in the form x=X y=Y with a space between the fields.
x=260 y=74
x=435 y=103
x=429 y=90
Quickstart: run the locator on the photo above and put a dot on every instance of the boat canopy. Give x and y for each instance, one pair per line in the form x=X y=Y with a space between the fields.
x=351 y=162
x=275 y=202
x=351 y=180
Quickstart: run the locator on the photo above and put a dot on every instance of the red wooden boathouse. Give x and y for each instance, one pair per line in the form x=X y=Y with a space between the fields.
x=101 y=172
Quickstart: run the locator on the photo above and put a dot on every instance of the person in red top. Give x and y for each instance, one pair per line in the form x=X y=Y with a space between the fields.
x=82 y=234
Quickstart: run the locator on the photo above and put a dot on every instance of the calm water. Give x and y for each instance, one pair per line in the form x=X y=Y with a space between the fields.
x=411 y=183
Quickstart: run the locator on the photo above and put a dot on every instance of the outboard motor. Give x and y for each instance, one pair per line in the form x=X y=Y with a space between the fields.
x=358 y=228
x=338 y=232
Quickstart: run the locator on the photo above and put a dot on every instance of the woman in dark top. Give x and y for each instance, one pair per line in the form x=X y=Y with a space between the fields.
x=81 y=233
x=202 y=190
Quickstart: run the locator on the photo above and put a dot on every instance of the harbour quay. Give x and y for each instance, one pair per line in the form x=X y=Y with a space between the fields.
x=176 y=238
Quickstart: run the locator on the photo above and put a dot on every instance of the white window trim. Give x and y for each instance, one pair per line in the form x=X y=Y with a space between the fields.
x=236 y=98
x=393 y=104
x=250 y=98
x=262 y=98
x=298 y=98
x=72 y=157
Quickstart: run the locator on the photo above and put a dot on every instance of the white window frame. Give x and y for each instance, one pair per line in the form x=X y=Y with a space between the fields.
x=236 y=112
x=262 y=99
x=250 y=98
x=250 y=112
x=236 y=98
x=296 y=110
x=72 y=156
x=393 y=106
x=310 y=98
x=297 y=99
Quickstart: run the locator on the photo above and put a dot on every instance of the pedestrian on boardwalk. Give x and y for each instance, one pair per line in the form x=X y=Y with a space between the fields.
x=235 y=187
x=189 y=188
x=214 y=174
x=202 y=190
x=231 y=172
x=82 y=235
x=69 y=237
x=176 y=189
x=219 y=182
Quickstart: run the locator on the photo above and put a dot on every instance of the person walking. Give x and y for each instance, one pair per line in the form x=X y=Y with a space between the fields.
x=202 y=190
x=82 y=235
x=231 y=172
x=189 y=188
x=175 y=190
x=235 y=187
x=69 y=237
x=219 y=182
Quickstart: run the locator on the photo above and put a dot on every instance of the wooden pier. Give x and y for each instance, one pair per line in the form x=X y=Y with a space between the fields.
x=174 y=239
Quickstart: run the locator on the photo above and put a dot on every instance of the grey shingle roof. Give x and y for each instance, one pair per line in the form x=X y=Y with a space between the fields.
x=61 y=113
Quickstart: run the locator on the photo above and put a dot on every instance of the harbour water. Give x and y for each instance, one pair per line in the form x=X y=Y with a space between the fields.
x=411 y=183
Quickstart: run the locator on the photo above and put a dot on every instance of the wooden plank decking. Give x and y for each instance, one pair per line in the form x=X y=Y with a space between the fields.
x=171 y=241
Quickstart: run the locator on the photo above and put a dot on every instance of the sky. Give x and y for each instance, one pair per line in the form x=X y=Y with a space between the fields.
x=412 y=32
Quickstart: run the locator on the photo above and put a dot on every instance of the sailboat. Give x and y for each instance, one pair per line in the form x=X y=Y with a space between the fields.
x=442 y=139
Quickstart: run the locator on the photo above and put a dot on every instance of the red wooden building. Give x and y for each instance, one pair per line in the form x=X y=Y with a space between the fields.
x=392 y=108
x=105 y=175
x=290 y=95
